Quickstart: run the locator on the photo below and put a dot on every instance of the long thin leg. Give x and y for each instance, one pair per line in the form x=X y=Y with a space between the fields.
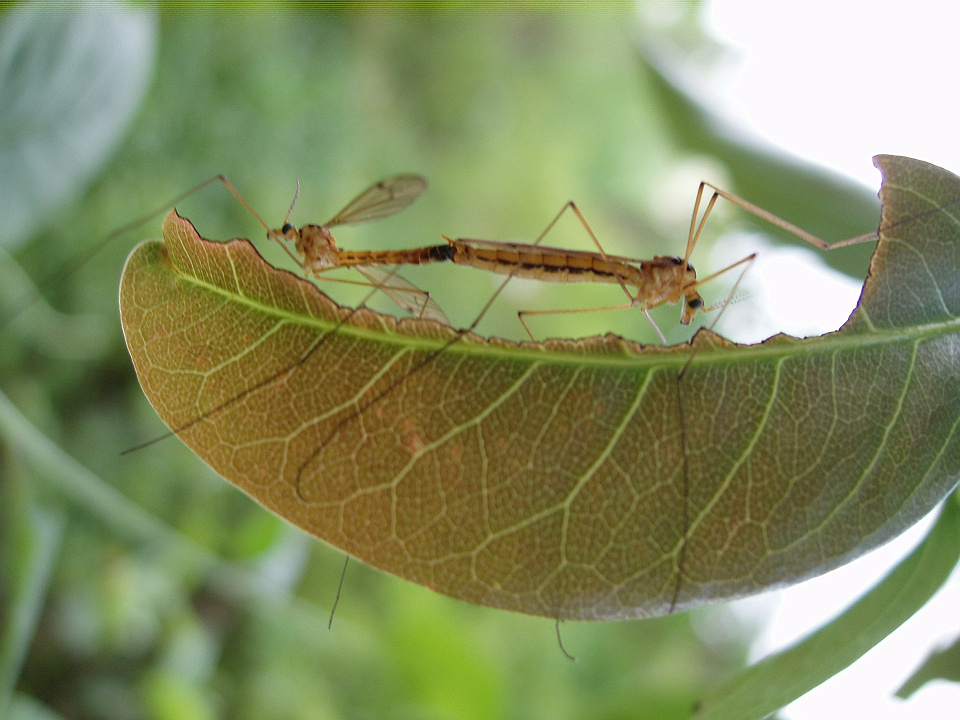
x=81 y=258
x=571 y=311
x=774 y=220
x=697 y=228
x=697 y=224
x=270 y=232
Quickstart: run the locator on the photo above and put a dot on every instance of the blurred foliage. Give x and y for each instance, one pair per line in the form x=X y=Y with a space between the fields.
x=941 y=664
x=509 y=116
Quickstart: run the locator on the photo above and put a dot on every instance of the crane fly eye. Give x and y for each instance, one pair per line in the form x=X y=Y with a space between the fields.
x=695 y=303
x=287 y=227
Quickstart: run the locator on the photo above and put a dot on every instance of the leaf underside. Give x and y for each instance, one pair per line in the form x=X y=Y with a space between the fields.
x=558 y=479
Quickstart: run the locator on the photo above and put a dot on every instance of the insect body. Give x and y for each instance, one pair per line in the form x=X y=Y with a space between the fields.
x=381 y=200
x=661 y=277
x=662 y=280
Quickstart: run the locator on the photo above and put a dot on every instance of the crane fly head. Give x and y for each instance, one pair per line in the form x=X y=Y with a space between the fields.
x=692 y=302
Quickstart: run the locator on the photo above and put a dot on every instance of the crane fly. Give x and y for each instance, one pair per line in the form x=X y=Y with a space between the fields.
x=664 y=279
x=659 y=281
x=381 y=200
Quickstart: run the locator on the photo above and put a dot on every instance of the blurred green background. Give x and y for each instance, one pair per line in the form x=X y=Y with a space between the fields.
x=145 y=586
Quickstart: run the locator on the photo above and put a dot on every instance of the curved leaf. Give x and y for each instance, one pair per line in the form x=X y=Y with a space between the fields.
x=563 y=479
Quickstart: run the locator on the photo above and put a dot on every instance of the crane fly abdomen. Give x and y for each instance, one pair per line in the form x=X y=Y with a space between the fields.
x=546 y=265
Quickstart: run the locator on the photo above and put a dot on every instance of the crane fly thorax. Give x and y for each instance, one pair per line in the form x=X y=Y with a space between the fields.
x=315 y=244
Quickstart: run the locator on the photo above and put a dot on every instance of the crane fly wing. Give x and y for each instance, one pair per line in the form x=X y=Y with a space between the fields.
x=415 y=301
x=383 y=199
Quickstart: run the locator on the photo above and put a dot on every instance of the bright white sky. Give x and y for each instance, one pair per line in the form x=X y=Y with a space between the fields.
x=838 y=82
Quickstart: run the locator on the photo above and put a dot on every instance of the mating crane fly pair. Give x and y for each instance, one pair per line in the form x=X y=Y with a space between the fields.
x=662 y=280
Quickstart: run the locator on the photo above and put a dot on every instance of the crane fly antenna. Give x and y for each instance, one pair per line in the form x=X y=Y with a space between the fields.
x=286 y=218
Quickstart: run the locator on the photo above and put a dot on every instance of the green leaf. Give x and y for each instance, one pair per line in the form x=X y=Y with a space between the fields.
x=940 y=665
x=70 y=82
x=563 y=479
x=29 y=545
x=780 y=679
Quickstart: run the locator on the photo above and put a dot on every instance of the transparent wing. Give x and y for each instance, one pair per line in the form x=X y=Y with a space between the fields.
x=385 y=198
x=415 y=301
